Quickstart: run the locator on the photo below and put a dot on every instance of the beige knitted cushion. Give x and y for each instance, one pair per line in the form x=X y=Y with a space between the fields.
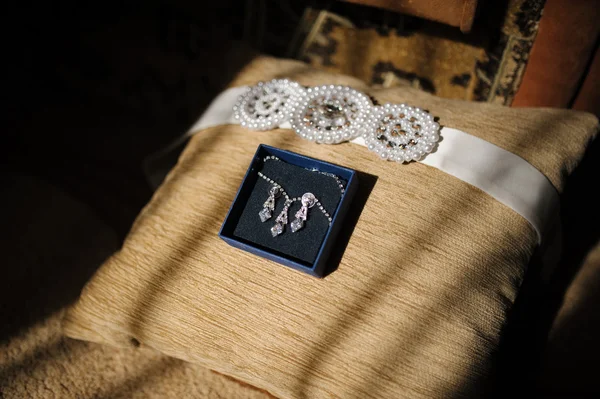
x=417 y=304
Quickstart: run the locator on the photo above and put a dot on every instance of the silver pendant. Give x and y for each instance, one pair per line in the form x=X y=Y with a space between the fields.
x=281 y=220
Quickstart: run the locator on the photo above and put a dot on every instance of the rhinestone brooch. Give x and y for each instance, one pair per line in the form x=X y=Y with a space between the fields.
x=398 y=132
x=268 y=105
x=333 y=114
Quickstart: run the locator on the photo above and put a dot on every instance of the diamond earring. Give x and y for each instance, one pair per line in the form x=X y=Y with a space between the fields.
x=308 y=201
x=269 y=205
x=282 y=219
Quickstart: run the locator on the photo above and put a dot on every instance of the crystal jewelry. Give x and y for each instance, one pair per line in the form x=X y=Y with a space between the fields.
x=269 y=205
x=267 y=105
x=308 y=200
x=331 y=114
x=398 y=132
x=266 y=213
x=282 y=219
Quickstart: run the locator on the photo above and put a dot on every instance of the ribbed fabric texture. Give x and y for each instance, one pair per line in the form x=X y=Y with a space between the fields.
x=42 y=364
x=417 y=304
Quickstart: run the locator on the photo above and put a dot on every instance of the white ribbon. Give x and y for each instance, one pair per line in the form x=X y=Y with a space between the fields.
x=501 y=174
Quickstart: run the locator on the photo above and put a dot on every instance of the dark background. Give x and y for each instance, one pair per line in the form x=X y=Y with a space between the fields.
x=91 y=89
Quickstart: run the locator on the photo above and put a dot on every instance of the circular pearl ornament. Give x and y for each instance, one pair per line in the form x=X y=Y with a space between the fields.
x=401 y=133
x=331 y=114
x=268 y=104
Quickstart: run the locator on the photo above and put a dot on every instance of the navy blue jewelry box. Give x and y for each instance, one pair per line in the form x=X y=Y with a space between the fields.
x=303 y=250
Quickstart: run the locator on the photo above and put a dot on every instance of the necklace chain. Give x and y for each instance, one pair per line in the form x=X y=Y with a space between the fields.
x=337 y=179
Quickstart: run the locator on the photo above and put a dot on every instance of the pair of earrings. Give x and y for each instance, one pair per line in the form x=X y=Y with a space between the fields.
x=308 y=200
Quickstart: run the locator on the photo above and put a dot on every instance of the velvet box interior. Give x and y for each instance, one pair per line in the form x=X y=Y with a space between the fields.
x=307 y=249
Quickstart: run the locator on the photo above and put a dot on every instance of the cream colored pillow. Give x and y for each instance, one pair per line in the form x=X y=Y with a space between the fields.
x=420 y=297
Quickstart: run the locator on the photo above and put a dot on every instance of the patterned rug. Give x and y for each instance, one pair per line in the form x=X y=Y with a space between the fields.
x=389 y=49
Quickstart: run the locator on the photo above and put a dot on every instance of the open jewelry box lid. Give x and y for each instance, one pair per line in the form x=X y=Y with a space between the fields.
x=332 y=245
